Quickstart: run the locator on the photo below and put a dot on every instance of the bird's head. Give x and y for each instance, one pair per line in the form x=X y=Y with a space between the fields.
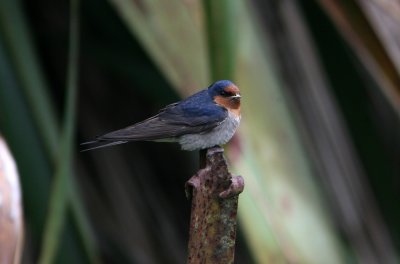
x=226 y=94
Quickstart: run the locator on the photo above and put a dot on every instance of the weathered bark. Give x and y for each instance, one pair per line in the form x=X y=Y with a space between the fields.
x=214 y=208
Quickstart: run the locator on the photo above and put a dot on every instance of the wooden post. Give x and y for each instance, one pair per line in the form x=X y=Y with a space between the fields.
x=214 y=195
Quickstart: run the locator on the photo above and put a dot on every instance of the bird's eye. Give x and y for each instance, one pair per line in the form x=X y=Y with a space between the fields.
x=225 y=93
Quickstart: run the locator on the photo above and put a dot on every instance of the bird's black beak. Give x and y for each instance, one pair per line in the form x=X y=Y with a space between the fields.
x=236 y=97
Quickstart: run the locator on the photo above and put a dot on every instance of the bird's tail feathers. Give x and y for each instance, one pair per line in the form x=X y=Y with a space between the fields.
x=101 y=144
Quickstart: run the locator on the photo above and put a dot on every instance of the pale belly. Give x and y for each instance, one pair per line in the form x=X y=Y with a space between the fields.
x=218 y=136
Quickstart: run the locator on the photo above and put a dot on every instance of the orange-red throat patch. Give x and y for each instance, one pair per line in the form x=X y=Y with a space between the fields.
x=231 y=103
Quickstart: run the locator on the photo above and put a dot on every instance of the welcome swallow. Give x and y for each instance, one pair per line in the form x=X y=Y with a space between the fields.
x=203 y=120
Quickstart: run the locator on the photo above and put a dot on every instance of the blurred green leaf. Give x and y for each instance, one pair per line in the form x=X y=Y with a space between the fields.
x=279 y=181
x=27 y=69
x=63 y=189
x=368 y=43
x=222 y=37
x=20 y=131
x=176 y=45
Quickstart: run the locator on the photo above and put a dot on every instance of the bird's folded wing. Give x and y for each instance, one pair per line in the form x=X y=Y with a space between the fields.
x=170 y=123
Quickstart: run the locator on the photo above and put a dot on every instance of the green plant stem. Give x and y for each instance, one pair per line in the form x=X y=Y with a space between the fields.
x=220 y=18
x=28 y=72
x=82 y=222
x=61 y=185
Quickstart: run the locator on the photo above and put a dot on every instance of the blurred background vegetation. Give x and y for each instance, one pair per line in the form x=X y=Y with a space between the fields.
x=318 y=146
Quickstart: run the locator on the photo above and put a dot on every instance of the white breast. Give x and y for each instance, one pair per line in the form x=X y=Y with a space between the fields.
x=220 y=135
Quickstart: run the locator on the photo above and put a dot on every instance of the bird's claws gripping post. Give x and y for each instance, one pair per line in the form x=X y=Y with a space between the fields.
x=214 y=193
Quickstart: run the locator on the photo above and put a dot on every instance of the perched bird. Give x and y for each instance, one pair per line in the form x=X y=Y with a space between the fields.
x=203 y=120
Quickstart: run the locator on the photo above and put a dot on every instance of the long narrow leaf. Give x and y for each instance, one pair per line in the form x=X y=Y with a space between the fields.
x=171 y=33
x=18 y=128
x=61 y=187
x=222 y=37
x=352 y=24
x=19 y=43
x=281 y=203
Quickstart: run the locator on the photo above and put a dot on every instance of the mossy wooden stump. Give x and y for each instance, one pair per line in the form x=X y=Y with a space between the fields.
x=215 y=194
